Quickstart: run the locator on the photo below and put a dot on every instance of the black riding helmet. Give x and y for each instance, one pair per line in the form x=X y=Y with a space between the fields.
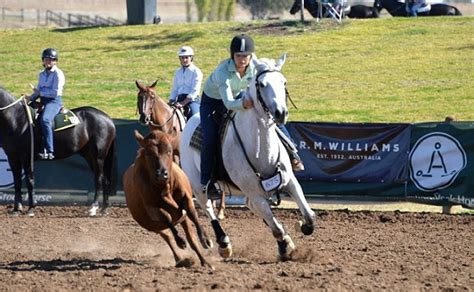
x=241 y=44
x=49 y=53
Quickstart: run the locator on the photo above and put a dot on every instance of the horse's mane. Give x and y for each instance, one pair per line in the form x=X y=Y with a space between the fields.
x=5 y=95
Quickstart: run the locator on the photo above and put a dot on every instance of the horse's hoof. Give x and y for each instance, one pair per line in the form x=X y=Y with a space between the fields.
x=17 y=209
x=104 y=212
x=181 y=243
x=15 y=213
x=286 y=248
x=210 y=244
x=225 y=252
x=206 y=264
x=185 y=263
x=31 y=212
x=93 y=211
x=298 y=225
x=307 y=229
x=220 y=215
x=206 y=243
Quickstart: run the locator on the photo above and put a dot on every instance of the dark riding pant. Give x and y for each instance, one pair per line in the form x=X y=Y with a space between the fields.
x=210 y=135
x=52 y=106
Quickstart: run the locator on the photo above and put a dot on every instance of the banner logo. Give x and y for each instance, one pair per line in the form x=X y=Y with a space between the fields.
x=435 y=161
x=6 y=175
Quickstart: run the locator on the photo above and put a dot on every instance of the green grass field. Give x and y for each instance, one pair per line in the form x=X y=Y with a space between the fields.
x=381 y=70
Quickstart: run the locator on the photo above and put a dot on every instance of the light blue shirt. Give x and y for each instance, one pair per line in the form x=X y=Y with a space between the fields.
x=225 y=83
x=187 y=80
x=50 y=83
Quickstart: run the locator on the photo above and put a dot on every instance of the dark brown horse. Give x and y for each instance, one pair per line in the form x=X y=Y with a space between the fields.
x=159 y=195
x=362 y=11
x=157 y=114
x=93 y=139
x=396 y=8
x=354 y=11
x=311 y=6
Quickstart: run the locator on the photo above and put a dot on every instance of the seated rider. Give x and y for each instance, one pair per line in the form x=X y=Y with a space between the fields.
x=223 y=91
x=413 y=6
x=49 y=90
x=186 y=83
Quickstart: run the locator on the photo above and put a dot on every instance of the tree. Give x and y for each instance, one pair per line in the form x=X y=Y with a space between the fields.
x=221 y=10
x=261 y=9
x=202 y=9
x=188 y=10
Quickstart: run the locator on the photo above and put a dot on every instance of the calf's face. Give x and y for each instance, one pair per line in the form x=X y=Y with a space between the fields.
x=158 y=153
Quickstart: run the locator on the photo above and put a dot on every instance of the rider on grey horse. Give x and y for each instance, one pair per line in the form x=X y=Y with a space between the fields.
x=223 y=91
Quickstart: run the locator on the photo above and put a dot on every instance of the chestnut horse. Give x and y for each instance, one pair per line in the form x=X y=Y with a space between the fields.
x=159 y=195
x=157 y=114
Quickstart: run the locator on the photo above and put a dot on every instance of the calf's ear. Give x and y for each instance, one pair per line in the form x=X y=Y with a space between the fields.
x=139 y=138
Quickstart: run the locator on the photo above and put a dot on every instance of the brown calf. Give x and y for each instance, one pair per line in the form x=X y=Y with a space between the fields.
x=159 y=195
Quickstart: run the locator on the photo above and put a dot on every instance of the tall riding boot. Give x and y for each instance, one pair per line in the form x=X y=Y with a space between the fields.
x=296 y=162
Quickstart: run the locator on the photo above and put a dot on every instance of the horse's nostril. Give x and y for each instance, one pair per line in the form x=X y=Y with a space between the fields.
x=162 y=174
x=278 y=114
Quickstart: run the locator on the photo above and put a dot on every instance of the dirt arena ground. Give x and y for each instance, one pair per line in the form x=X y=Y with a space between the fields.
x=61 y=249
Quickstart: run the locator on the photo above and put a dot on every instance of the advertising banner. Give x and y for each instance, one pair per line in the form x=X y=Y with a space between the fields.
x=6 y=177
x=363 y=153
x=441 y=163
x=429 y=163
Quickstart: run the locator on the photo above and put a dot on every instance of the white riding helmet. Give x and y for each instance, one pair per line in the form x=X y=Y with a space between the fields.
x=185 y=51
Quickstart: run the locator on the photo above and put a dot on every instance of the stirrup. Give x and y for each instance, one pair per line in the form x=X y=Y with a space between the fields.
x=46 y=156
x=210 y=190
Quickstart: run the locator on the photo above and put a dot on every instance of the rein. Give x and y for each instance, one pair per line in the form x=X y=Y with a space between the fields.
x=259 y=96
x=258 y=174
x=11 y=104
x=273 y=182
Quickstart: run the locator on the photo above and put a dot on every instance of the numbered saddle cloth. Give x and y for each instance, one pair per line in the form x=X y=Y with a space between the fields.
x=65 y=119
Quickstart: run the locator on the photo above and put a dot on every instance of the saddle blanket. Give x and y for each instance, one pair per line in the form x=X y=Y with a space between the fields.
x=65 y=119
x=196 y=139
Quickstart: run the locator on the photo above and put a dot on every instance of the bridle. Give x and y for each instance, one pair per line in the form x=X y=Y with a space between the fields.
x=148 y=110
x=259 y=95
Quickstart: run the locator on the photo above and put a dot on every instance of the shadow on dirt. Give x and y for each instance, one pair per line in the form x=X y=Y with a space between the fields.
x=67 y=265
